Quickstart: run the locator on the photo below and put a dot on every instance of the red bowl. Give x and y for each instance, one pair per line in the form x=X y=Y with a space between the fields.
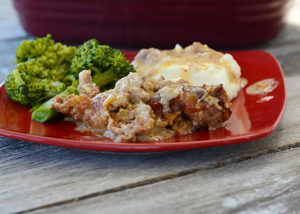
x=159 y=23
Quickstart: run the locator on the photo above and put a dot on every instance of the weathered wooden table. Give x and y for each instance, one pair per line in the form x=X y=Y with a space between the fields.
x=255 y=177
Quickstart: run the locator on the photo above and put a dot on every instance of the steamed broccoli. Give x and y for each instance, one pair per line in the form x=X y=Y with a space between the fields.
x=53 y=55
x=29 y=83
x=46 y=69
x=42 y=66
x=46 y=111
x=107 y=65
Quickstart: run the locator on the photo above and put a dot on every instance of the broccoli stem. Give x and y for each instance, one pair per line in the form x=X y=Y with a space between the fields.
x=46 y=111
x=107 y=77
x=68 y=80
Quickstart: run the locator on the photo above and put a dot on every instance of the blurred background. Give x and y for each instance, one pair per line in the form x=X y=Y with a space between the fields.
x=145 y=23
x=67 y=19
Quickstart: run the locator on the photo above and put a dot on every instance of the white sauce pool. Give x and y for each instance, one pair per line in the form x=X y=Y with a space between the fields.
x=262 y=87
x=265 y=99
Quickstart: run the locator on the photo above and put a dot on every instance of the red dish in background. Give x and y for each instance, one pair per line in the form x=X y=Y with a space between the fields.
x=249 y=120
x=158 y=23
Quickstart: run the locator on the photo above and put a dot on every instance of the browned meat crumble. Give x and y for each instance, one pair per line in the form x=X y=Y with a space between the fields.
x=140 y=109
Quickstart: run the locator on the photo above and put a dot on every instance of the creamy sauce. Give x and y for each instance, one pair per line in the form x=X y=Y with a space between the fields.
x=265 y=99
x=69 y=119
x=157 y=134
x=262 y=87
x=168 y=93
x=197 y=64
x=81 y=127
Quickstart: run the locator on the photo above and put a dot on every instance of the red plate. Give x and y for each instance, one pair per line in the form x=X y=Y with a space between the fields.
x=250 y=120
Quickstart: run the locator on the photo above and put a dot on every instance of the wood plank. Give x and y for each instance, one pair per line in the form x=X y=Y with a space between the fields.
x=11 y=29
x=288 y=57
x=288 y=35
x=10 y=26
x=262 y=185
x=69 y=174
x=7 y=10
x=35 y=175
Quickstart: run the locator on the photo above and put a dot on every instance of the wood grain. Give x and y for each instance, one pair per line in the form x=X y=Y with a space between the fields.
x=261 y=185
x=10 y=27
x=34 y=173
x=260 y=176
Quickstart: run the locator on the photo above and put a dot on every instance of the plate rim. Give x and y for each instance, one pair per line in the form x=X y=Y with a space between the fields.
x=156 y=146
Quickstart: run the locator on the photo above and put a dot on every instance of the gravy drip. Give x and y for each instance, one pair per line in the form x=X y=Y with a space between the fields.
x=262 y=87
x=265 y=99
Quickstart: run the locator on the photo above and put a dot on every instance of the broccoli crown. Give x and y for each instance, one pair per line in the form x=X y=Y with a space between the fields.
x=30 y=83
x=107 y=65
x=53 y=55
x=29 y=49
x=42 y=66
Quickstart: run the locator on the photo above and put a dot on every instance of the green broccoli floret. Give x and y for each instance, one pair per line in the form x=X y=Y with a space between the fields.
x=30 y=83
x=53 y=55
x=107 y=65
x=46 y=111
x=46 y=68
x=41 y=69
x=30 y=49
